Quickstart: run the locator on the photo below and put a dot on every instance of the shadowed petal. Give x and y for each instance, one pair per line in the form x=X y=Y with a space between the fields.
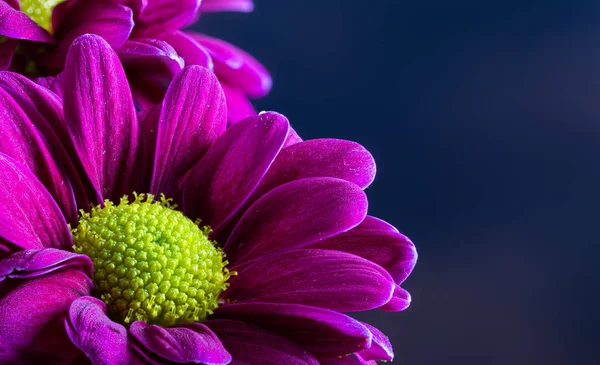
x=230 y=171
x=101 y=116
x=150 y=55
x=192 y=52
x=399 y=302
x=320 y=278
x=27 y=264
x=238 y=105
x=29 y=217
x=192 y=118
x=244 y=6
x=294 y=215
x=89 y=328
x=16 y=24
x=249 y=344
x=165 y=16
x=193 y=343
x=319 y=331
x=381 y=348
x=7 y=51
x=31 y=318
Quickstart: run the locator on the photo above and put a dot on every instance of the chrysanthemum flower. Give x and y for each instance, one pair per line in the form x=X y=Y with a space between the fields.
x=35 y=36
x=193 y=244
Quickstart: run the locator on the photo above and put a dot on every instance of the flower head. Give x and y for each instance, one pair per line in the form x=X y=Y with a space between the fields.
x=193 y=243
x=35 y=36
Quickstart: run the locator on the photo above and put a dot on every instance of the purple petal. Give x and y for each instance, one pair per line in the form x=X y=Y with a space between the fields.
x=110 y=21
x=236 y=67
x=238 y=105
x=52 y=83
x=28 y=264
x=150 y=55
x=292 y=138
x=230 y=171
x=320 y=278
x=295 y=215
x=148 y=131
x=192 y=52
x=101 y=116
x=29 y=217
x=89 y=328
x=193 y=343
x=165 y=16
x=381 y=348
x=18 y=25
x=390 y=250
x=249 y=344
x=319 y=331
x=371 y=222
x=244 y=6
x=192 y=118
x=7 y=51
x=341 y=360
x=399 y=302
x=31 y=318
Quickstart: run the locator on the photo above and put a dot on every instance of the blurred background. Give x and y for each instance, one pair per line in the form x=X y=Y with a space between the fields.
x=484 y=119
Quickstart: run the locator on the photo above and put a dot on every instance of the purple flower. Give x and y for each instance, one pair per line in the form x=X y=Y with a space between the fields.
x=35 y=36
x=289 y=249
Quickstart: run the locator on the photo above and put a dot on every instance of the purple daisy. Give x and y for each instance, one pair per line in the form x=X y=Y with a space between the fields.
x=147 y=35
x=269 y=245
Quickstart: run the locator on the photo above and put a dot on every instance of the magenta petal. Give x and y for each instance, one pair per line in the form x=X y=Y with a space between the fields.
x=150 y=55
x=101 y=116
x=249 y=344
x=295 y=215
x=244 y=6
x=375 y=223
x=236 y=67
x=193 y=343
x=319 y=331
x=399 y=302
x=230 y=171
x=89 y=328
x=165 y=16
x=381 y=348
x=320 y=278
x=342 y=360
x=16 y=24
x=192 y=52
x=29 y=217
x=192 y=118
x=27 y=264
x=238 y=105
x=31 y=318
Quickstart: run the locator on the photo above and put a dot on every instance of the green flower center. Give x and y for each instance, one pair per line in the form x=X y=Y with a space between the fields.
x=151 y=263
x=40 y=11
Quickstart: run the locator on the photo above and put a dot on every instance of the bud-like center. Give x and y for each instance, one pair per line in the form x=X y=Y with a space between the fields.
x=40 y=11
x=151 y=263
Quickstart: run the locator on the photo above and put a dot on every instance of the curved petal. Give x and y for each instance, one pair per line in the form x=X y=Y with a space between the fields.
x=238 y=105
x=150 y=55
x=100 y=116
x=244 y=6
x=18 y=25
x=295 y=215
x=29 y=217
x=28 y=264
x=192 y=118
x=399 y=302
x=193 y=343
x=236 y=67
x=250 y=344
x=192 y=52
x=230 y=171
x=381 y=348
x=371 y=222
x=31 y=318
x=89 y=328
x=320 y=278
x=165 y=16
x=319 y=331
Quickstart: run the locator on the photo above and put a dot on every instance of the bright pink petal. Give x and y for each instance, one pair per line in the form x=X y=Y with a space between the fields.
x=244 y=6
x=399 y=302
x=249 y=344
x=230 y=171
x=31 y=318
x=29 y=217
x=192 y=52
x=381 y=348
x=191 y=120
x=101 y=116
x=319 y=331
x=165 y=16
x=378 y=224
x=28 y=264
x=193 y=343
x=238 y=105
x=18 y=25
x=295 y=215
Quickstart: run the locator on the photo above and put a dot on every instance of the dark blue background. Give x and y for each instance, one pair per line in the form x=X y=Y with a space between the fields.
x=484 y=119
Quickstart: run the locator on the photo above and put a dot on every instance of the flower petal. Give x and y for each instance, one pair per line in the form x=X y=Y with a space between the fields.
x=244 y=6
x=249 y=344
x=320 y=278
x=193 y=343
x=230 y=171
x=381 y=348
x=29 y=217
x=192 y=118
x=165 y=16
x=192 y=52
x=236 y=67
x=89 y=328
x=376 y=223
x=31 y=318
x=319 y=331
x=150 y=55
x=399 y=302
x=27 y=264
x=238 y=105
x=294 y=215
x=18 y=25
x=101 y=116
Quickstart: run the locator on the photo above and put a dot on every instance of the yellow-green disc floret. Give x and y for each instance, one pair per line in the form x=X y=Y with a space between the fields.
x=40 y=11
x=151 y=263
